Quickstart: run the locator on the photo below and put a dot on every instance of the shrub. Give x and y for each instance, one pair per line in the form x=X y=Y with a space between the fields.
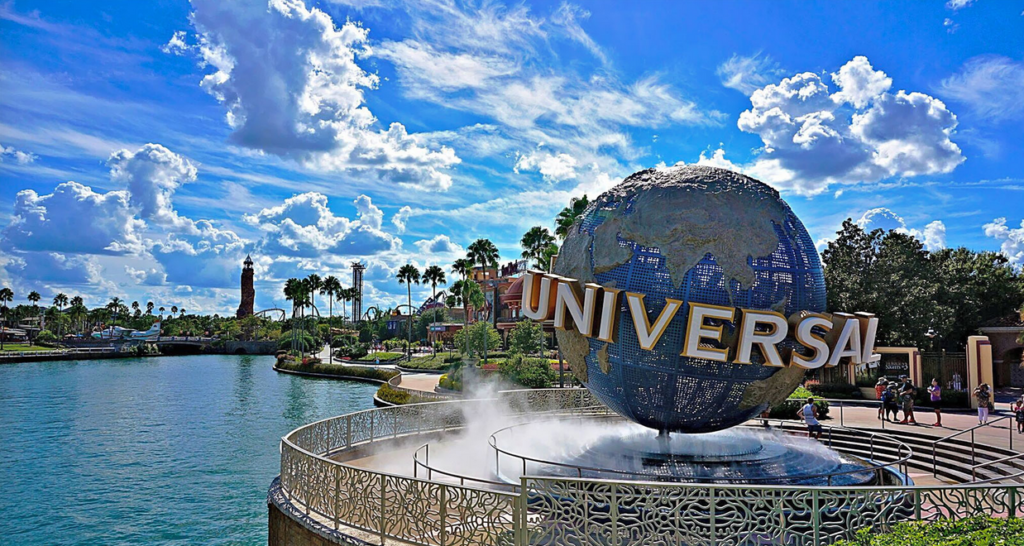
x=964 y=532
x=337 y=369
x=353 y=351
x=451 y=381
x=303 y=342
x=535 y=373
x=789 y=408
x=436 y=362
x=389 y=394
x=384 y=356
x=843 y=391
x=46 y=336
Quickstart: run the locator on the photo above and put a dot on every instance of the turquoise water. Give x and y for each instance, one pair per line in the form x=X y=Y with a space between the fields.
x=157 y=451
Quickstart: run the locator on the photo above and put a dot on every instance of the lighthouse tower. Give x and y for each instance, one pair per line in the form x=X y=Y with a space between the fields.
x=248 y=293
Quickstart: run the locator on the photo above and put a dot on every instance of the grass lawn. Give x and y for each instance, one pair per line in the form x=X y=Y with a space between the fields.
x=23 y=348
x=433 y=362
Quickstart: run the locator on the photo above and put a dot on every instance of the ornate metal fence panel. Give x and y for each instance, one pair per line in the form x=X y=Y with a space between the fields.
x=576 y=512
x=612 y=513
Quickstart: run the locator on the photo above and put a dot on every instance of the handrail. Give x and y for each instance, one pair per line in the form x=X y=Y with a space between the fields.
x=900 y=462
x=974 y=475
x=935 y=443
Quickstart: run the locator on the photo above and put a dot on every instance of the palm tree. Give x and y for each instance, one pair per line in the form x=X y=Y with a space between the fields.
x=462 y=267
x=295 y=291
x=435 y=276
x=174 y=310
x=483 y=252
x=536 y=243
x=78 y=310
x=332 y=288
x=34 y=297
x=149 y=308
x=569 y=215
x=60 y=300
x=6 y=296
x=409 y=275
x=181 y=312
x=161 y=312
x=314 y=283
x=137 y=309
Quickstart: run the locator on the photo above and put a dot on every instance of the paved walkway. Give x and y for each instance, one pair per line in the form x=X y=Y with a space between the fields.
x=998 y=433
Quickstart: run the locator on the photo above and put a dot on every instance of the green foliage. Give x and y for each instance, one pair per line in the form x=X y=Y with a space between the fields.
x=440 y=361
x=480 y=339
x=394 y=396
x=841 y=391
x=975 y=531
x=353 y=351
x=526 y=338
x=535 y=373
x=423 y=322
x=890 y=274
x=451 y=381
x=789 y=408
x=303 y=341
x=46 y=336
x=337 y=369
x=385 y=356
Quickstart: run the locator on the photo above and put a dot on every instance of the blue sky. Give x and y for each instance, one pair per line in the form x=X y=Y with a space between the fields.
x=147 y=147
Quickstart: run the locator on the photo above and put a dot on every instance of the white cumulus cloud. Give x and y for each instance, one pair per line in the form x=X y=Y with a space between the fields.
x=933 y=236
x=553 y=167
x=18 y=156
x=152 y=175
x=814 y=138
x=1011 y=240
x=292 y=87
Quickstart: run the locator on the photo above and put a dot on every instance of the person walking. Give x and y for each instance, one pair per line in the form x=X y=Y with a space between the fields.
x=1018 y=414
x=984 y=396
x=907 y=398
x=889 y=402
x=935 y=392
x=880 y=387
x=809 y=413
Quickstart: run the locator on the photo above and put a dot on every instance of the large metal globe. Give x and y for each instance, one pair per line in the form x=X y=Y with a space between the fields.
x=696 y=234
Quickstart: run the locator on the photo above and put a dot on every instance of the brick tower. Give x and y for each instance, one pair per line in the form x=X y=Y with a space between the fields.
x=248 y=293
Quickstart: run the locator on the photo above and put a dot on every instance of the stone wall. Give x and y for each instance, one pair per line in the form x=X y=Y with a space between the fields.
x=289 y=526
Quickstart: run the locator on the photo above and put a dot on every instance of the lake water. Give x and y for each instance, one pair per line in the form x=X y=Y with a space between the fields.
x=155 y=451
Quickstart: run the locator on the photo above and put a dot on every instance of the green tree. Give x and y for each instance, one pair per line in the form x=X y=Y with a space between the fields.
x=536 y=244
x=6 y=296
x=526 y=338
x=483 y=252
x=478 y=339
x=570 y=215
x=137 y=311
x=314 y=284
x=409 y=275
x=294 y=291
x=332 y=288
x=975 y=287
x=434 y=275
x=149 y=308
x=60 y=300
x=78 y=312
x=462 y=267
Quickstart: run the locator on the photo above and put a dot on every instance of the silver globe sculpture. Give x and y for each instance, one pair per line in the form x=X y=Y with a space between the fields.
x=696 y=234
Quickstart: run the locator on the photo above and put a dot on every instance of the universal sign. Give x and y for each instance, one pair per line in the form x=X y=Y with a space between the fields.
x=592 y=310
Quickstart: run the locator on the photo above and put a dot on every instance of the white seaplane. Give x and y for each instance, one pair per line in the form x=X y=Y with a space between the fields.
x=117 y=333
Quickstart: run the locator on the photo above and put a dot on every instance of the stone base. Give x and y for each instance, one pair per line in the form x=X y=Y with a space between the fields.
x=290 y=526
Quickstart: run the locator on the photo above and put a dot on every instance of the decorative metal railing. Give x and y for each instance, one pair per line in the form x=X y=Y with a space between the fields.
x=584 y=511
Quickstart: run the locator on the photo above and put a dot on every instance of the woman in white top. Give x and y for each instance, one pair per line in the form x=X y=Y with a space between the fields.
x=809 y=413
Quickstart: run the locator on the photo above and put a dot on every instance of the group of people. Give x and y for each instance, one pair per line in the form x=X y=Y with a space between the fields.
x=895 y=395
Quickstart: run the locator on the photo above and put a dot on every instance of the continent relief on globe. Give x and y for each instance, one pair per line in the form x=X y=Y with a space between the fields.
x=686 y=213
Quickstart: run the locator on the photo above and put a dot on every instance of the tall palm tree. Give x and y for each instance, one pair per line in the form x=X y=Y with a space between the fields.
x=536 y=243
x=137 y=309
x=483 y=252
x=409 y=275
x=332 y=288
x=161 y=312
x=294 y=291
x=78 y=310
x=34 y=297
x=570 y=215
x=6 y=296
x=462 y=267
x=181 y=312
x=149 y=308
x=435 y=276
x=60 y=300
x=314 y=283
x=174 y=310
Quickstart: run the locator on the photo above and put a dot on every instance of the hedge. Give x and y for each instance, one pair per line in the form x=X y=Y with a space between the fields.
x=976 y=531
x=395 y=396
x=435 y=362
x=337 y=369
x=789 y=408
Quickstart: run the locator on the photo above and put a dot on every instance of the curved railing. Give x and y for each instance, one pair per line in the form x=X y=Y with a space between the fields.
x=884 y=442
x=573 y=511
